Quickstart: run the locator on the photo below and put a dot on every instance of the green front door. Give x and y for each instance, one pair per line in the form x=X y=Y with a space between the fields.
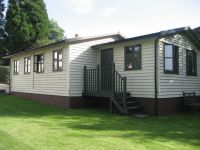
x=106 y=69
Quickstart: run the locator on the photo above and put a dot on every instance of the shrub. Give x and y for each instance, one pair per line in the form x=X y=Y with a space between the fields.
x=4 y=74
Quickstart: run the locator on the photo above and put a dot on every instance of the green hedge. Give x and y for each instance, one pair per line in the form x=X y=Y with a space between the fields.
x=4 y=74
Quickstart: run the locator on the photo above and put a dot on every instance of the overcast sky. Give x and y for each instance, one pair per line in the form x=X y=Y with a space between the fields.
x=130 y=17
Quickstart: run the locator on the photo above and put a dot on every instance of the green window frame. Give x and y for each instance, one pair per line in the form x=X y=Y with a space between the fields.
x=27 y=65
x=16 y=67
x=39 y=63
x=57 y=60
x=133 y=57
x=191 y=63
x=171 y=59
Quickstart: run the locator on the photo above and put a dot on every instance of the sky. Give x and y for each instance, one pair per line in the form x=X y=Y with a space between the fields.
x=129 y=17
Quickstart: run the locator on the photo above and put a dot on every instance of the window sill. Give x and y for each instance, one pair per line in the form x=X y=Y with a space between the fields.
x=57 y=70
x=16 y=74
x=133 y=70
x=172 y=73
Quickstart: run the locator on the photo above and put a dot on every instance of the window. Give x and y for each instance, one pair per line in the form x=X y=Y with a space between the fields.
x=57 y=60
x=27 y=65
x=171 y=59
x=16 y=66
x=133 y=57
x=39 y=63
x=191 y=62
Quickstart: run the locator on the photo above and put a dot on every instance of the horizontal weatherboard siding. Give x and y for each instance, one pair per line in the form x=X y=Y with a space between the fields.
x=140 y=83
x=48 y=82
x=81 y=54
x=173 y=85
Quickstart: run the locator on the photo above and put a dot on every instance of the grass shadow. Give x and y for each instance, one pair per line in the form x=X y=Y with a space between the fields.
x=182 y=128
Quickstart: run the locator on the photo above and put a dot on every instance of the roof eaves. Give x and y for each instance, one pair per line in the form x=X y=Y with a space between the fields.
x=71 y=40
x=33 y=49
x=152 y=35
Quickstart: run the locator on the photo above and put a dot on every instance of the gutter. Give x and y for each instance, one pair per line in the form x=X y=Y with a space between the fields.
x=10 y=76
x=156 y=101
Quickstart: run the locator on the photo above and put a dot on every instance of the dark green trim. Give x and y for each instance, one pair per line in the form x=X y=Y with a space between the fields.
x=37 y=64
x=101 y=50
x=155 y=77
x=14 y=67
x=186 y=30
x=26 y=73
x=194 y=62
x=57 y=61
x=125 y=58
x=174 y=51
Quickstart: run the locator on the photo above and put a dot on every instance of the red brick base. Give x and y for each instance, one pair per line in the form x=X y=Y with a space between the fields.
x=165 y=105
x=59 y=101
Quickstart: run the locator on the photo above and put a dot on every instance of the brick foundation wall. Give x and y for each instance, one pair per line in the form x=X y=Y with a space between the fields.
x=166 y=106
x=53 y=100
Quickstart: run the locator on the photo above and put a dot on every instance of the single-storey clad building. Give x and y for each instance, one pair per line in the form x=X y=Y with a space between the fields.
x=148 y=72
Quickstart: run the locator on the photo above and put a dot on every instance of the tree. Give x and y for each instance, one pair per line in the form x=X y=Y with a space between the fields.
x=27 y=24
x=2 y=8
x=56 y=33
x=2 y=33
x=2 y=21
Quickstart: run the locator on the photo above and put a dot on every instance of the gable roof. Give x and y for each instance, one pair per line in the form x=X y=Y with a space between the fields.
x=70 y=41
x=186 y=30
x=197 y=32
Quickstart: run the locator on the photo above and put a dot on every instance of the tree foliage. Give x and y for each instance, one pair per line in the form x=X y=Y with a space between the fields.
x=56 y=33
x=2 y=21
x=2 y=8
x=27 y=24
x=3 y=51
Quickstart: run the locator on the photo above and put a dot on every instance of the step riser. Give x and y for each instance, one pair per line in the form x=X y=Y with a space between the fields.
x=132 y=105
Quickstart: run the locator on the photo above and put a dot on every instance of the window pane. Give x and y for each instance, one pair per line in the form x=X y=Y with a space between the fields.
x=191 y=61
x=168 y=50
x=60 y=56
x=169 y=64
x=39 y=68
x=42 y=67
x=42 y=58
x=35 y=59
x=60 y=65
x=55 y=55
x=29 y=65
x=137 y=58
x=129 y=58
x=136 y=51
x=17 y=66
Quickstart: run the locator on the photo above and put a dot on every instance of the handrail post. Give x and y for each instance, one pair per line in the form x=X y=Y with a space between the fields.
x=113 y=78
x=98 y=79
x=124 y=92
x=85 y=78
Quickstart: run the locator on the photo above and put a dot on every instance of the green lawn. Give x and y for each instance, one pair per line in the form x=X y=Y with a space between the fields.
x=25 y=125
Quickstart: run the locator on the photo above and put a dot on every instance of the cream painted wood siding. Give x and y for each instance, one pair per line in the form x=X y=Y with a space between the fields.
x=49 y=82
x=140 y=83
x=173 y=85
x=81 y=54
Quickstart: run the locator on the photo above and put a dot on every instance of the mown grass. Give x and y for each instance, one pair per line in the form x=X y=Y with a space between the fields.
x=26 y=125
